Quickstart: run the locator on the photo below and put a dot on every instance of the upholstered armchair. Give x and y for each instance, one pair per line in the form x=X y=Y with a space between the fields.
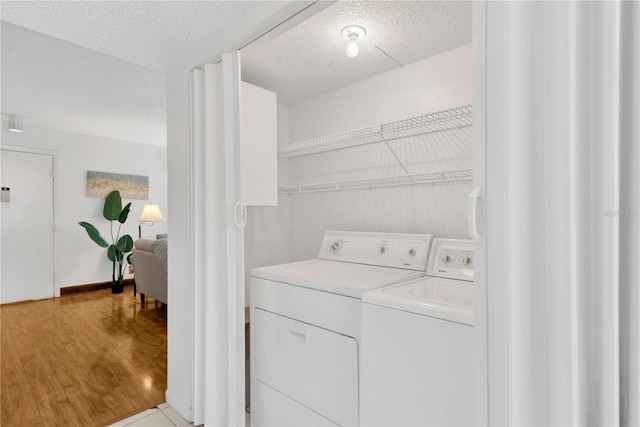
x=150 y=268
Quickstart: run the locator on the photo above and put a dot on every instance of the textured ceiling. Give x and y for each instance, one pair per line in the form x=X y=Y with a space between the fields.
x=59 y=85
x=310 y=59
x=98 y=67
x=148 y=33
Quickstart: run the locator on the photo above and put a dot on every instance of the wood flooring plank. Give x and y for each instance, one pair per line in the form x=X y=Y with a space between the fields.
x=61 y=414
x=22 y=403
x=84 y=359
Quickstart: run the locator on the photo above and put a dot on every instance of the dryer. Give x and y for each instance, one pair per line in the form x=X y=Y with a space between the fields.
x=305 y=325
x=417 y=345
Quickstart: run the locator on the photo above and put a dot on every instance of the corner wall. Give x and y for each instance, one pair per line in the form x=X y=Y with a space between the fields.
x=78 y=260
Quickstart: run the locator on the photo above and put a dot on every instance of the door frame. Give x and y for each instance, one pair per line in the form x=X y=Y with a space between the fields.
x=55 y=178
x=491 y=387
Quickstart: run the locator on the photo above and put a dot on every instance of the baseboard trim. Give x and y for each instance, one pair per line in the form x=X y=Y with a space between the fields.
x=68 y=290
x=183 y=410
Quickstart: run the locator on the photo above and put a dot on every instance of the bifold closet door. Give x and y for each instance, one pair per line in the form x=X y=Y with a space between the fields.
x=560 y=103
x=218 y=245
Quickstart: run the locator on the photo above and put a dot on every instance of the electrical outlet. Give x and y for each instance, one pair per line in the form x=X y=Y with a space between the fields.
x=131 y=269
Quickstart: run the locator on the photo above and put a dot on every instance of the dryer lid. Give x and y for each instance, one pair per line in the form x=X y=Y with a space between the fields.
x=342 y=278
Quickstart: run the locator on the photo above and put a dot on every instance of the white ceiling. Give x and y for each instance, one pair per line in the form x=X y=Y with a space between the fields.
x=98 y=67
x=148 y=33
x=59 y=85
x=310 y=59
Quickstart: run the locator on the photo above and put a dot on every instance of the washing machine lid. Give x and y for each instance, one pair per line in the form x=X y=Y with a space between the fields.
x=342 y=278
x=447 y=299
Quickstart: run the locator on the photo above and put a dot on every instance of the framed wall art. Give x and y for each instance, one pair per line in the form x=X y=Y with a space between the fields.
x=100 y=184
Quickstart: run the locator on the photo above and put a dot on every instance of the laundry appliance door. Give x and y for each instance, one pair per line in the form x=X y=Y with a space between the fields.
x=415 y=369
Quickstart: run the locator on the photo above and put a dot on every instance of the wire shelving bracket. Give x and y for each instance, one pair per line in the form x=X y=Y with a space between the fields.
x=427 y=178
x=454 y=118
x=442 y=121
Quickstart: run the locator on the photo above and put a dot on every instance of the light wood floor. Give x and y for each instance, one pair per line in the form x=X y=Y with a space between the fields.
x=86 y=359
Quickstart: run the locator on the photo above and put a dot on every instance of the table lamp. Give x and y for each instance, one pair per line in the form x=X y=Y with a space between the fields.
x=151 y=213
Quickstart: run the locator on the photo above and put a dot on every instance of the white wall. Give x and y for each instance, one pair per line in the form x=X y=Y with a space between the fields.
x=77 y=259
x=426 y=86
x=434 y=84
x=180 y=321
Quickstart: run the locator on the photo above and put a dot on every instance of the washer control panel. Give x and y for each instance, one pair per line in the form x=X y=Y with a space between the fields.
x=398 y=250
x=451 y=259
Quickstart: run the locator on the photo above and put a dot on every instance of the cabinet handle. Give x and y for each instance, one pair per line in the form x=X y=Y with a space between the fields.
x=473 y=214
x=298 y=336
x=243 y=214
x=240 y=214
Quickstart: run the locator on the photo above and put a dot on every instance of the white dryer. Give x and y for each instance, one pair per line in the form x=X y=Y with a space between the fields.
x=417 y=345
x=305 y=325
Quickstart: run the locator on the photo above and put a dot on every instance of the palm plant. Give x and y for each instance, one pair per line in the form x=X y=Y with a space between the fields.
x=120 y=246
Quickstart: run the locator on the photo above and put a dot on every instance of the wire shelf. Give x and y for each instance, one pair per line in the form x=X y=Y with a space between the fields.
x=454 y=118
x=420 y=179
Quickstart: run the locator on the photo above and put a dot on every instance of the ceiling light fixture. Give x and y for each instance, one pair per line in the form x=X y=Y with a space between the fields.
x=353 y=33
x=15 y=124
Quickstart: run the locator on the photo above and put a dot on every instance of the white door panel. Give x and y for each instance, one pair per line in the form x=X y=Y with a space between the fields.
x=219 y=394
x=27 y=227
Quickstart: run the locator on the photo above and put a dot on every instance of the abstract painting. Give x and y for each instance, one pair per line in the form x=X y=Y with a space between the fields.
x=100 y=184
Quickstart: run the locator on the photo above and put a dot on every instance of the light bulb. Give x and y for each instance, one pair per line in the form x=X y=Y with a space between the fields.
x=352 y=49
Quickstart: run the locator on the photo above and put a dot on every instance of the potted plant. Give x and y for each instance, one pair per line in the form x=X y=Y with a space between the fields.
x=120 y=246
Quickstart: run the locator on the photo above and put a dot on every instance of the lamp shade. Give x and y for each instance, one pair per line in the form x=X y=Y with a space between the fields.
x=151 y=213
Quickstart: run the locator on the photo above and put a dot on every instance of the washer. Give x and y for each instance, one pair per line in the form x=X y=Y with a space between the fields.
x=417 y=345
x=305 y=325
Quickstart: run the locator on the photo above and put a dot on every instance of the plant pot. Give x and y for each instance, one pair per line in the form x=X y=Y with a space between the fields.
x=117 y=288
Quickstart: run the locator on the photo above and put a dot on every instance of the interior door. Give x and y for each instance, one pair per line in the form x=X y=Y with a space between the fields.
x=236 y=220
x=27 y=226
x=219 y=217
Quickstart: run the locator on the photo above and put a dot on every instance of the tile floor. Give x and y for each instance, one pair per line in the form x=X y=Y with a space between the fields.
x=161 y=416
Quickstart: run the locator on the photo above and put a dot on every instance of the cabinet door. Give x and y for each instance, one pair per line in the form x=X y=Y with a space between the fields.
x=259 y=146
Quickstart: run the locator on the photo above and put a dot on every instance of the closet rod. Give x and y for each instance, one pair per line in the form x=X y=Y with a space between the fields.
x=420 y=179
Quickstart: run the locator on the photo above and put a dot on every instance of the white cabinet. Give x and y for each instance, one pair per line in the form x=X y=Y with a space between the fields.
x=259 y=146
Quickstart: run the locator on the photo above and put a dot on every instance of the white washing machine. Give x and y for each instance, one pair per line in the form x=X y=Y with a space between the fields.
x=305 y=325
x=417 y=345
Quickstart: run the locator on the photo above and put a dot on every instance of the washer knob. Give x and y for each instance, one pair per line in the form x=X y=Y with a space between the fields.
x=336 y=246
x=466 y=260
x=412 y=252
x=382 y=249
x=446 y=258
